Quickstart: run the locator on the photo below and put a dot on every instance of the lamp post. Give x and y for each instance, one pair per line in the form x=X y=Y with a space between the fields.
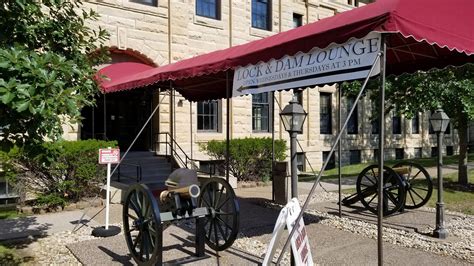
x=293 y=117
x=439 y=122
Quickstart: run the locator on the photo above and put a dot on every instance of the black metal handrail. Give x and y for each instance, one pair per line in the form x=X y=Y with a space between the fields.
x=186 y=161
x=172 y=143
x=138 y=167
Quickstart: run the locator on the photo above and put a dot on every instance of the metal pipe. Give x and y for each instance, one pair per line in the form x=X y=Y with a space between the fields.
x=339 y=149
x=105 y=119
x=313 y=188
x=273 y=145
x=227 y=132
x=381 y=153
x=191 y=126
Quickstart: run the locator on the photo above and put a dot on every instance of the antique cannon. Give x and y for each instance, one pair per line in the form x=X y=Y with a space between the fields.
x=146 y=213
x=406 y=185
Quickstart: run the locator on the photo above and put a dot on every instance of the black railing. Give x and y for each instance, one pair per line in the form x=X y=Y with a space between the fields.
x=176 y=152
x=138 y=168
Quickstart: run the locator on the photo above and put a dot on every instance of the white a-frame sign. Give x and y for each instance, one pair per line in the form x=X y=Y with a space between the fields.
x=299 y=241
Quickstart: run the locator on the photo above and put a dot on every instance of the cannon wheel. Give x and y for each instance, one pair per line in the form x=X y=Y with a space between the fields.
x=393 y=191
x=222 y=223
x=142 y=225
x=418 y=184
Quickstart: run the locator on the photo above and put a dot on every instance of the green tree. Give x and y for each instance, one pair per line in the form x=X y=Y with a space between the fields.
x=451 y=88
x=47 y=54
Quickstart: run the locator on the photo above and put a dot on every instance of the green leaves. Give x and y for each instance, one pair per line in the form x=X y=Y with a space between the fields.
x=45 y=72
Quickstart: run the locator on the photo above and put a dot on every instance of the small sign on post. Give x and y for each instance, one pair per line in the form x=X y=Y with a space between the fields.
x=107 y=156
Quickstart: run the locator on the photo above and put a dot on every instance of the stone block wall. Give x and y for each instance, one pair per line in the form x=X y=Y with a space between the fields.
x=171 y=31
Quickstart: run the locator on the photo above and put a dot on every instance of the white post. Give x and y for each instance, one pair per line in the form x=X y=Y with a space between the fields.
x=107 y=197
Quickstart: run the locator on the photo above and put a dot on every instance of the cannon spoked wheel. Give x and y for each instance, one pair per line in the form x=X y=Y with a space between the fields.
x=393 y=189
x=222 y=223
x=418 y=185
x=142 y=225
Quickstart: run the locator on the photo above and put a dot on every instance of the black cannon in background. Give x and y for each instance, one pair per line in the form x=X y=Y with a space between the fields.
x=406 y=185
x=147 y=213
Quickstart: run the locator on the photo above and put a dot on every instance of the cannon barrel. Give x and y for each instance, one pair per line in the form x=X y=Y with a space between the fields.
x=187 y=192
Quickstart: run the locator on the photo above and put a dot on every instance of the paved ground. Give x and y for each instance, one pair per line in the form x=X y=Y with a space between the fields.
x=329 y=246
x=40 y=225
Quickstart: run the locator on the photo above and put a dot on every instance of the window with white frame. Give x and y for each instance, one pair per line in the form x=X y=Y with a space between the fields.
x=261 y=106
x=325 y=113
x=262 y=14
x=208 y=8
x=208 y=116
x=145 y=2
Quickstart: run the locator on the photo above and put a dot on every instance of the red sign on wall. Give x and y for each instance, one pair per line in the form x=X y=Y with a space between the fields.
x=107 y=156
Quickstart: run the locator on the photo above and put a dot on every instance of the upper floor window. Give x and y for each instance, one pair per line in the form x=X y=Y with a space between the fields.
x=325 y=113
x=208 y=8
x=353 y=125
x=297 y=20
x=415 y=124
x=261 y=112
x=145 y=2
x=208 y=116
x=261 y=14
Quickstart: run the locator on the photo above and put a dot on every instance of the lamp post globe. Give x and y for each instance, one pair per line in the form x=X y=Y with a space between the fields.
x=293 y=116
x=439 y=121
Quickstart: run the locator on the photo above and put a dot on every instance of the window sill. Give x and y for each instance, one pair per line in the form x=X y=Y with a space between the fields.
x=260 y=33
x=160 y=10
x=208 y=22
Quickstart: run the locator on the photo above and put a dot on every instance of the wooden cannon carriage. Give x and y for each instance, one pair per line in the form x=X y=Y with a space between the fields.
x=146 y=213
x=406 y=185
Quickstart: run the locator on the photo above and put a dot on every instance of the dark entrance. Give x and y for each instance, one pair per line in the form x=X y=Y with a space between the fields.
x=124 y=113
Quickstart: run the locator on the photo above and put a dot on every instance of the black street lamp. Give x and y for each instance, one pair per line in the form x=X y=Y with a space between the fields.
x=439 y=121
x=293 y=117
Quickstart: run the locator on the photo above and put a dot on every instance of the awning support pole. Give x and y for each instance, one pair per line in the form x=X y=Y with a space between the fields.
x=381 y=151
x=339 y=148
x=105 y=119
x=227 y=131
x=273 y=145
x=316 y=182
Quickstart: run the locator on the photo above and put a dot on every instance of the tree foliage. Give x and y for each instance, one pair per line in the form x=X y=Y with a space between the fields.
x=47 y=54
x=451 y=88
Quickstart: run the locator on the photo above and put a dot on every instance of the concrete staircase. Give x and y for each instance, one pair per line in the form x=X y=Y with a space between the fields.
x=154 y=171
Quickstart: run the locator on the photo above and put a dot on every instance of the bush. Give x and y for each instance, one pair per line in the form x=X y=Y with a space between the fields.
x=250 y=158
x=50 y=200
x=66 y=170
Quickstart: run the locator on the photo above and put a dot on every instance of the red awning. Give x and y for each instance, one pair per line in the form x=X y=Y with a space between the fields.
x=115 y=72
x=421 y=34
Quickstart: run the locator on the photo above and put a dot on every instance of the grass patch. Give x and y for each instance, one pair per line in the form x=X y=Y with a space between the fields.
x=9 y=214
x=456 y=198
x=354 y=169
x=8 y=256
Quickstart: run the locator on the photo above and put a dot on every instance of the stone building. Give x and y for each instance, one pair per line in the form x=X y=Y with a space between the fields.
x=159 y=32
